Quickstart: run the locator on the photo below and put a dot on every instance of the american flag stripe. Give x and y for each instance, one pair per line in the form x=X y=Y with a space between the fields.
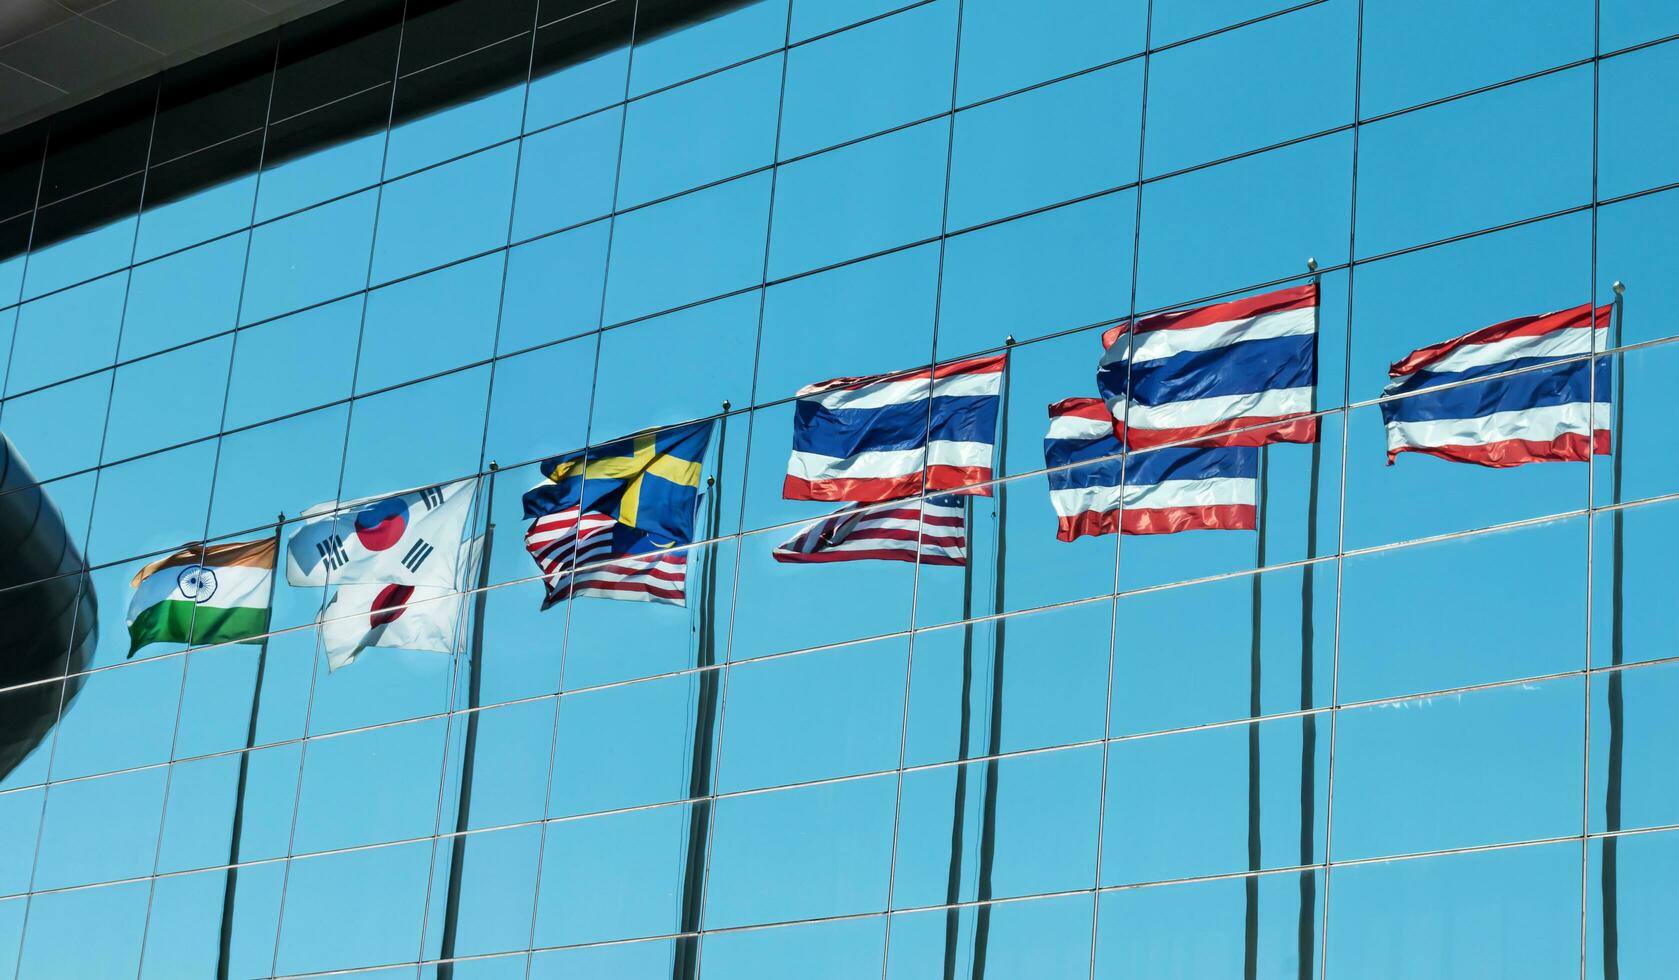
x=933 y=532
x=574 y=552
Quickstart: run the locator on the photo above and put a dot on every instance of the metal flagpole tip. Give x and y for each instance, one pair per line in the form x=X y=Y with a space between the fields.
x=726 y=405
x=493 y=466
x=1619 y=287
x=1311 y=264
x=1008 y=341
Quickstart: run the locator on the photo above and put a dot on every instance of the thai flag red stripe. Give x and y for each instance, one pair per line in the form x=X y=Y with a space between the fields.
x=1575 y=318
x=974 y=365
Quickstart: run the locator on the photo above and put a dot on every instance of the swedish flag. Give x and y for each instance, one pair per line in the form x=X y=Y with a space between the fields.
x=648 y=483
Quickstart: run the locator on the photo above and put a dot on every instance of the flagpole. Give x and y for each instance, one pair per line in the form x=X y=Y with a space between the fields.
x=469 y=749
x=231 y=885
x=1305 y=932
x=1617 y=656
x=958 y=817
x=1250 y=928
x=994 y=724
x=685 y=965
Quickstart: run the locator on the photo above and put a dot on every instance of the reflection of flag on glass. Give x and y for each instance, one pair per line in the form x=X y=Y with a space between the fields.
x=204 y=594
x=413 y=538
x=872 y=439
x=1182 y=376
x=1550 y=414
x=934 y=532
x=1176 y=488
x=611 y=522
x=406 y=617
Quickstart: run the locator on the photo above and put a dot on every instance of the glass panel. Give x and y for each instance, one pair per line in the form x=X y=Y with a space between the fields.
x=1631 y=237
x=581 y=62
x=862 y=81
x=710 y=339
x=446 y=213
x=1473 y=175
x=1626 y=22
x=1275 y=80
x=1053 y=680
x=961 y=838
x=1636 y=143
x=194 y=198
x=859 y=199
x=697 y=246
x=1038 y=274
x=356 y=909
x=67 y=333
x=813 y=716
x=153 y=503
x=1303 y=214
x=1201 y=929
x=568 y=174
x=612 y=877
x=813 y=17
x=1009 y=44
x=1408 y=60
x=1648 y=623
x=801 y=853
x=58 y=430
x=83 y=236
x=81 y=844
x=554 y=288
x=430 y=324
x=1512 y=913
x=1494 y=638
x=447 y=413
x=626 y=746
x=275 y=368
x=186 y=296
x=1485 y=767
x=306 y=258
x=556 y=378
x=706 y=130
x=676 y=42
x=497 y=888
x=1186 y=657
x=1632 y=723
x=1253 y=802
x=1646 y=467
x=1048 y=145
x=821 y=951
x=458 y=106
x=1632 y=906
x=183 y=932
x=167 y=399
x=94 y=932
x=1176 y=20
x=1048 y=938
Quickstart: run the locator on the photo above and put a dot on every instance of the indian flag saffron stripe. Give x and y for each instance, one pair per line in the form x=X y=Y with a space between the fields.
x=218 y=594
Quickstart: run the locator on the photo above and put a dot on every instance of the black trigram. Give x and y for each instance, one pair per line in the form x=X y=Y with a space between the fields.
x=417 y=555
x=332 y=552
x=432 y=497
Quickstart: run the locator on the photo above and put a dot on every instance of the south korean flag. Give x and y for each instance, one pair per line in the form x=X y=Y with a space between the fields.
x=409 y=538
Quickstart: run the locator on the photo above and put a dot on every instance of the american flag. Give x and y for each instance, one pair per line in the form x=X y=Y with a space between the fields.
x=933 y=530
x=574 y=551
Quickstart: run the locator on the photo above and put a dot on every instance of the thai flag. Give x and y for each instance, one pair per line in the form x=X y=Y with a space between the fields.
x=933 y=532
x=1186 y=376
x=1158 y=491
x=575 y=550
x=878 y=438
x=1549 y=414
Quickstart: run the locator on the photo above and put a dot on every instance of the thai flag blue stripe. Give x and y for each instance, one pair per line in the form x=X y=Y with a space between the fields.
x=845 y=432
x=1565 y=384
x=1239 y=369
x=1418 y=380
x=1147 y=468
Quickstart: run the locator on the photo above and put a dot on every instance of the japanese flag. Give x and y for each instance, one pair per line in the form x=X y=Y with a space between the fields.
x=407 y=617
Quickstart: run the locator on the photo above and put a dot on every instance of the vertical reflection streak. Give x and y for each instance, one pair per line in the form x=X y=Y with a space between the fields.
x=953 y=880
x=1250 y=923
x=1617 y=656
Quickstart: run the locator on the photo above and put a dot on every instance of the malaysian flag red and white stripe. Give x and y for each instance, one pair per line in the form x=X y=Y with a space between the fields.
x=574 y=551
x=933 y=531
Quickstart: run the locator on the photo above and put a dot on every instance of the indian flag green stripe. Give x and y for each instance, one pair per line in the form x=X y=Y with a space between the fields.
x=175 y=621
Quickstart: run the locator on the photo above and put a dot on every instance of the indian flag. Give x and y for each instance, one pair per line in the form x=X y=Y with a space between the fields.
x=218 y=594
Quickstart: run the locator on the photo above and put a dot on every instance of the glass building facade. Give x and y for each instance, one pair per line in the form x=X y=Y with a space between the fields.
x=1425 y=730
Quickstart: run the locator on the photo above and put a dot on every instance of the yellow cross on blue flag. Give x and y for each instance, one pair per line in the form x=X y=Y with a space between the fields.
x=610 y=521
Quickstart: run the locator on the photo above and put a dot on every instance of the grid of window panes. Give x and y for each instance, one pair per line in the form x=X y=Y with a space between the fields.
x=1430 y=735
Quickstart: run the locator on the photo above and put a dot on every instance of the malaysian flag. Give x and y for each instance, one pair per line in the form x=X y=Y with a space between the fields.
x=933 y=531
x=1200 y=374
x=575 y=552
x=1542 y=400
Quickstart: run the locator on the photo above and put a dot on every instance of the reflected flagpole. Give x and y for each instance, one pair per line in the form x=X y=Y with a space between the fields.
x=994 y=724
x=469 y=748
x=1305 y=933
x=1250 y=919
x=686 y=962
x=958 y=817
x=1617 y=656
x=231 y=886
